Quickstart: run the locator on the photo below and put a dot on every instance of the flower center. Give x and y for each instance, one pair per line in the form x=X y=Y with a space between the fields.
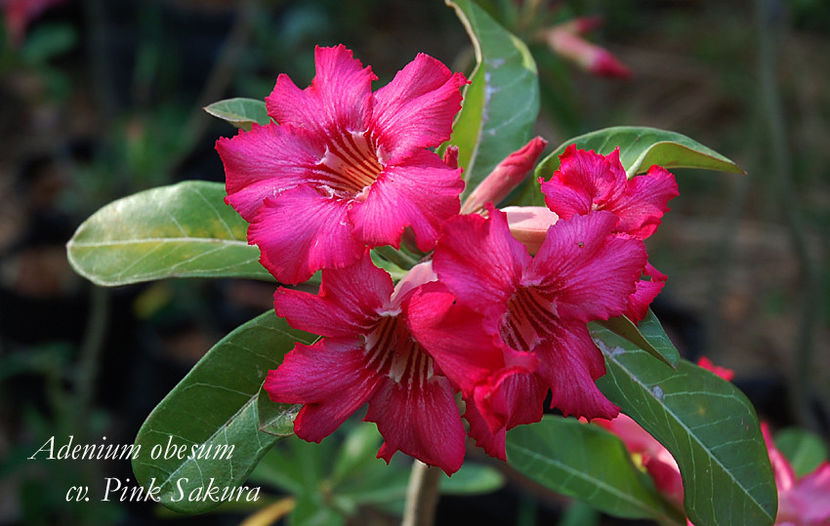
x=349 y=166
x=529 y=319
x=391 y=350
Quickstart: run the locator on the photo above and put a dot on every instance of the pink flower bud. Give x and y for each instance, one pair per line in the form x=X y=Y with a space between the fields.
x=451 y=157
x=505 y=177
x=565 y=40
x=529 y=224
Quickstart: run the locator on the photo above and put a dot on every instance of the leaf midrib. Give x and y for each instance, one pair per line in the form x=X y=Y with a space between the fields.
x=689 y=433
x=659 y=514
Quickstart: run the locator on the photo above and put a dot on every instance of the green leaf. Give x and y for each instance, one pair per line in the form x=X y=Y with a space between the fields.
x=240 y=112
x=640 y=148
x=803 y=449
x=472 y=479
x=276 y=419
x=214 y=406
x=183 y=230
x=588 y=463
x=48 y=41
x=706 y=423
x=501 y=103
x=648 y=336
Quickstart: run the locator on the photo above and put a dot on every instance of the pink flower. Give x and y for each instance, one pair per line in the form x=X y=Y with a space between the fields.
x=587 y=181
x=367 y=354
x=344 y=167
x=802 y=501
x=530 y=315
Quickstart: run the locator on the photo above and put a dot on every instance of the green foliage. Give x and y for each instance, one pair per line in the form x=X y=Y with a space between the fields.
x=648 y=336
x=337 y=477
x=240 y=112
x=706 y=423
x=589 y=463
x=803 y=449
x=640 y=148
x=183 y=230
x=216 y=406
x=501 y=103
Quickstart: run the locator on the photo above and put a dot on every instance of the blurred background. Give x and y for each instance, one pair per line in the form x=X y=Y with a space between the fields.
x=101 y=99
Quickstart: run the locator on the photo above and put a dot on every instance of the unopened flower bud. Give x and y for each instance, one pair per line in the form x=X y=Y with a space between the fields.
x=565 y=40
x=529 y=224
x=505 y=177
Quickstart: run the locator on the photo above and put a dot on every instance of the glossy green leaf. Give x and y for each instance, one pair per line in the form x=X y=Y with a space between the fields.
x=640 y=148
x=182 y=230
x=803 y=449
x=706 y=423
x=214 y=406
x=648 y=336
x=240 y=112
x=276 y=419
x=588 y=463
x=501 y=103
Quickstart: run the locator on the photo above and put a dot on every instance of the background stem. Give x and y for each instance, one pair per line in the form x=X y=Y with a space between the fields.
x=421 y=495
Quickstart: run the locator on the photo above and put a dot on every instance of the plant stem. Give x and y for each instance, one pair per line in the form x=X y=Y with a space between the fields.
x=421 y=495
x=397 y=257
x=93 y=343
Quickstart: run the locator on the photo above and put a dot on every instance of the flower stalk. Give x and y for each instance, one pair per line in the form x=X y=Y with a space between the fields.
x=421 y=495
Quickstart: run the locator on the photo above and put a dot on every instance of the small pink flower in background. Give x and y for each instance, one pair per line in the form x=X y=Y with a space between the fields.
x=803 y=501
x=19 y=13
x=506 y=176
x=566 y=40
x=532 y=313
x=343 y=167
x=367 y=354
x=587 y=181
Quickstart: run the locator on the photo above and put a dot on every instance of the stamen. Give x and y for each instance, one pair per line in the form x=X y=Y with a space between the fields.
x=349 y=166
x=391 y=351
x=529 y=319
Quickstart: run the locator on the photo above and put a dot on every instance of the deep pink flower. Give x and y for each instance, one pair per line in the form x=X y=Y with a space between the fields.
x=587 y=181
x=367 y=354
x=802 y=501
x=532 y=315
x=343 y=167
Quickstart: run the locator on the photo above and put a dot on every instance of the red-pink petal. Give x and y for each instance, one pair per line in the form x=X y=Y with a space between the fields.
x=339 y=97
x=452 y=335
x=591 y=271
x=300 y=232
x=808 y=503
x=347 y=304
x=570 y=366
x=493 y=442
x=421 y=420
x=644 y=202
x=422 y=192
x=514 y=396
x=584 y=179
x=264 y=162
x=415 y=110
x=330 y=378
x=645 y=292
x=479 y=261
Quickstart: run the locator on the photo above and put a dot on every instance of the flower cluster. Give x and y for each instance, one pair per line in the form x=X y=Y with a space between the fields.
x=497 y=310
